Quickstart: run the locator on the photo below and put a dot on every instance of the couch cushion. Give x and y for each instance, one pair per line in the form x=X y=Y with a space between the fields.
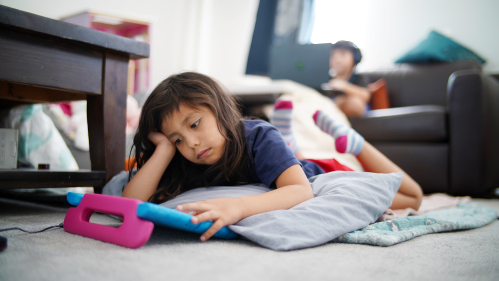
x=411 y=123
x=426 y=163
x=418 y=84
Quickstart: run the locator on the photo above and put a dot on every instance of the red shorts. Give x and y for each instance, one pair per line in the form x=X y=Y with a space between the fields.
x=330 y=165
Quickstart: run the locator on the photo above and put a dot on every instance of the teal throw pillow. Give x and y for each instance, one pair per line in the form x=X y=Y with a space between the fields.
x=438 y=48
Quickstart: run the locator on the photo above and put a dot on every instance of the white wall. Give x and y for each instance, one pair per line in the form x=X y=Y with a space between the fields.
x=214 y=36
x=209 y=36
x=396 y=26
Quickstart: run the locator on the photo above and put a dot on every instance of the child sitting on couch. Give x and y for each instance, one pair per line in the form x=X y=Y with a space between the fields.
x=345 y=55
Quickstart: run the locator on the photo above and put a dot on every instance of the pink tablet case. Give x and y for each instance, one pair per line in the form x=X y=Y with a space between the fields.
x=133 y=232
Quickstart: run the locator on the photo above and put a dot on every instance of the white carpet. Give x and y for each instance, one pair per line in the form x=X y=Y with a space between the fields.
x=175 y=255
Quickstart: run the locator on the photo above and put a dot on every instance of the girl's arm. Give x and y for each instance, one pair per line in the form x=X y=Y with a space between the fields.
x=146 y=180
x=293 y=188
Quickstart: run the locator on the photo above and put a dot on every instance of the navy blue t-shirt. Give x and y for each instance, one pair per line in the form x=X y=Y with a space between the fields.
x=269 y=156
x=269 y=153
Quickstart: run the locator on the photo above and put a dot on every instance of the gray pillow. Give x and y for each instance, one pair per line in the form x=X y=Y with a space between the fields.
x=343 y=202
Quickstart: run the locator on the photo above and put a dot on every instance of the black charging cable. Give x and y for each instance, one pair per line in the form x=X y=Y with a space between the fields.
x=17 y=228
x=3 y=240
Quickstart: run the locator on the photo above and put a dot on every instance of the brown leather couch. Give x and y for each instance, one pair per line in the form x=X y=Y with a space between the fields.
x=443 y=127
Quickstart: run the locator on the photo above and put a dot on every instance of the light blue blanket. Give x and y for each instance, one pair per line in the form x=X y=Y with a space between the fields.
x=464 y=216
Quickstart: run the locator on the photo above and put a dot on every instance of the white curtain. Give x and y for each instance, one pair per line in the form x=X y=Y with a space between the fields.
x=216 y=36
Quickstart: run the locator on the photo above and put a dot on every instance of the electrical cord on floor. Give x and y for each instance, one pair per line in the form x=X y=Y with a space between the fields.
x=3 y=240
x=17 y=228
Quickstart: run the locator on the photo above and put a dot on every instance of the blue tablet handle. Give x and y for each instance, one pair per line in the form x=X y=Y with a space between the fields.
x=167 y=217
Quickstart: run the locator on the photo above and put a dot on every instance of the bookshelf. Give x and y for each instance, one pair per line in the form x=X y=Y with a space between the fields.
x=126 y=26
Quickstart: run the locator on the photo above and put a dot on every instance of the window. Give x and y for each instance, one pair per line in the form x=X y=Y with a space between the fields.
x=340 y=20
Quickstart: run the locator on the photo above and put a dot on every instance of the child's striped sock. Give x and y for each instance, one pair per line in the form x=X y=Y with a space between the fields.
x=347 y=140
x=282 y=119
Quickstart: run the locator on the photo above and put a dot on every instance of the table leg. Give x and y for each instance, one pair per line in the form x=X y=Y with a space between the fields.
x=106 y=115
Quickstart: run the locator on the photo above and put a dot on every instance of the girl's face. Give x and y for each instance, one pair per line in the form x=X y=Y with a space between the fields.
x=195 y=134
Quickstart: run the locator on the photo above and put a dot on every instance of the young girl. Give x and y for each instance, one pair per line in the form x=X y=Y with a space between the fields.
x=191 y=134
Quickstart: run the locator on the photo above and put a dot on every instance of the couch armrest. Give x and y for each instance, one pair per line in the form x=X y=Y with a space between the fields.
x=420 y=123
x=473 y=106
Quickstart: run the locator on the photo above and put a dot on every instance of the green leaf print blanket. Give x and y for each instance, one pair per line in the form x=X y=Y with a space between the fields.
x=387 y=233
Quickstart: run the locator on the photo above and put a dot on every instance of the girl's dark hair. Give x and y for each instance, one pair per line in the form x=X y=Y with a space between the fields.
x=193 y=90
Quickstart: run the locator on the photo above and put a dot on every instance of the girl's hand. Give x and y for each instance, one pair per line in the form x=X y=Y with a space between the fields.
x=158 y=138
x=222 y=211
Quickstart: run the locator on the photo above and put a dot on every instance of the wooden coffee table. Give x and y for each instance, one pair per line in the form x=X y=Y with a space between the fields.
x=44 y=60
